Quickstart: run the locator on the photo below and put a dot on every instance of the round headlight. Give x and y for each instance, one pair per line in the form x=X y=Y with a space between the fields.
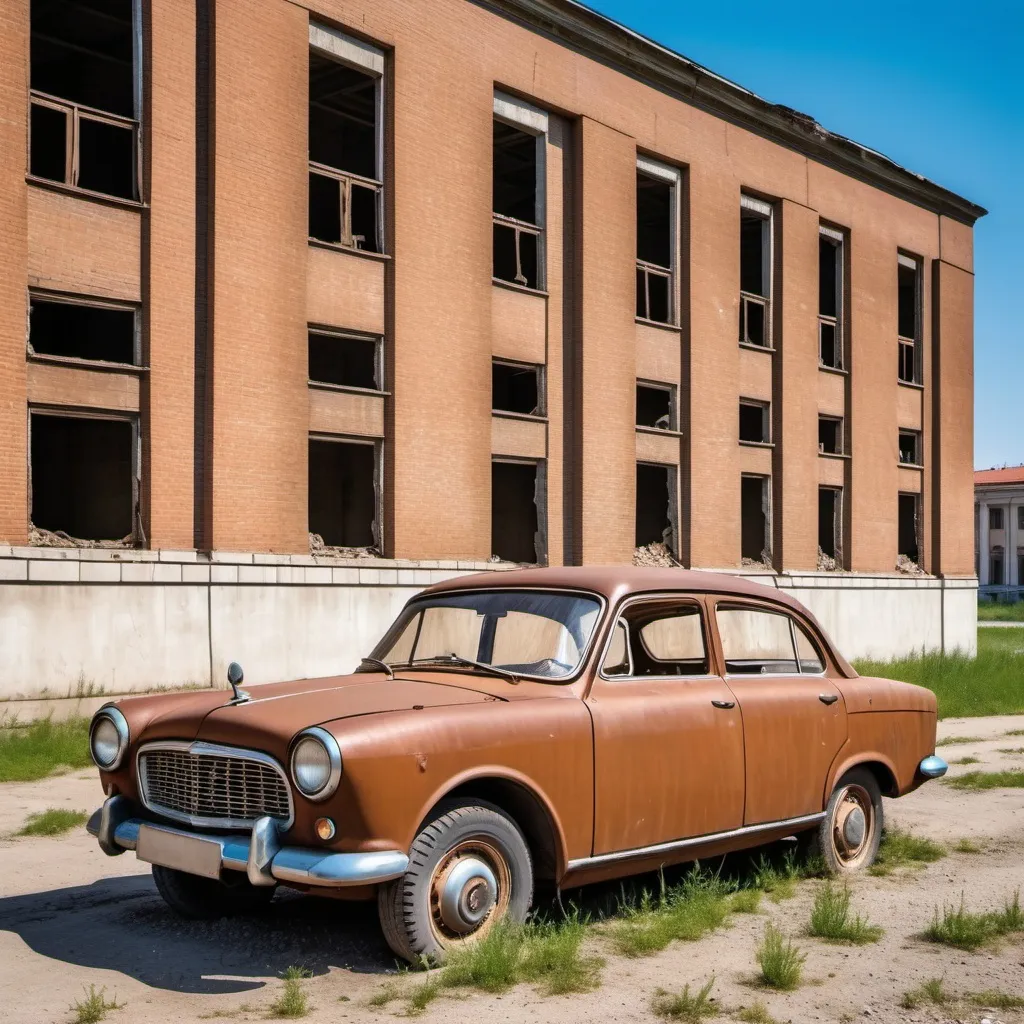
x=316 y=764
x=108 y=738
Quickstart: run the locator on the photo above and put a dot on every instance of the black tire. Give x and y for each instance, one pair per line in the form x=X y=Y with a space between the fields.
x=857 y=790
x=459 y=839
x=205 y=899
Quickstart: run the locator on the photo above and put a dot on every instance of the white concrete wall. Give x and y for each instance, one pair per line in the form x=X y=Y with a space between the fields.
x=92 y=622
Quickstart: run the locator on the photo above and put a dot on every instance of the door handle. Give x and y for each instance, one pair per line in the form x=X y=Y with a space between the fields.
x=724 y=704
x=828 y=698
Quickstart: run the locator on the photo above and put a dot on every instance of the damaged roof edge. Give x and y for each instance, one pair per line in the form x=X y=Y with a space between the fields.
x=603 y=39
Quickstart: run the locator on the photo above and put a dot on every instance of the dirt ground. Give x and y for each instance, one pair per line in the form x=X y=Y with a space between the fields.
x=71 y=917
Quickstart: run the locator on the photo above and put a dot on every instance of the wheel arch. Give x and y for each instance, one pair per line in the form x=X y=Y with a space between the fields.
x=877 y=763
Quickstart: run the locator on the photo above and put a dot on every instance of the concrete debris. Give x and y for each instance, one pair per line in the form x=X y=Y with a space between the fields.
x=908 y=566
x=41 y=538
x=753 y=563
x=826 y=563
x=318 y=547
x=655 y=554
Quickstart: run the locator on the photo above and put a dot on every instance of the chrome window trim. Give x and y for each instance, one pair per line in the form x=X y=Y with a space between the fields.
x=123 y=734
x=740 y=605
x=330 y=744
x=203 y=749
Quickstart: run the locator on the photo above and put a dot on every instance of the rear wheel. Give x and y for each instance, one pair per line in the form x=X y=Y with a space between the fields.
x=468 y=869
x=205 y=899
x=847 y=838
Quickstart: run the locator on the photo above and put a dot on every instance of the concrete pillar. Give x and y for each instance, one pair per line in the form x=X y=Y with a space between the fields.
x=1010 y=558
x=983 y=559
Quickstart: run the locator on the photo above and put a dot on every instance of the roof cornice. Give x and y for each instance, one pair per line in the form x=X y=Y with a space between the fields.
x=605 y=40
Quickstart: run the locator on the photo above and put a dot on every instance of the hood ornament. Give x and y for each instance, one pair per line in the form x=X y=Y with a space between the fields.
x=235 y=677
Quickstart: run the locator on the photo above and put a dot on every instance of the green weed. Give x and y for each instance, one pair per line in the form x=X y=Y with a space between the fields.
x=931 y=991
x=33 y=752
x=686 y=1006
x=1011 y=750
x=1001 y=611
x=756 y=1013
x=900 y=848
x=967 y=760
x=951 y=741
x=387 y=993
x=292 y=1001
x=746 y=901
x=996 y=1000
x=964 y=929
x=425 y=994
x=979 y=781
x=777 y=881
x=830 y=918
x=94 y=1007
x=967 y=846
x=781 y=962
x=52 y=822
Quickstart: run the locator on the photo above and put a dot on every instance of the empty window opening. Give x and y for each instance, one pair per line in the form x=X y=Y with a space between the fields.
x=755 y=422
x=83 y=129
x=910 y=448
x=655 y=242
x=909 y=509
x=755 y=272
x=656 y=507
x=344 y=157
x=996 y=568
x=344 y=360
x=909 y=316
x=830 y=435
x=516 y=388
x=995 y=518
x=830 y=527
x=77 y=331
x=343 y=493
x=655 y=406
x=755 y=499
x=516 y=205
x=516 y=496
x=83 y=477
x=830 y=290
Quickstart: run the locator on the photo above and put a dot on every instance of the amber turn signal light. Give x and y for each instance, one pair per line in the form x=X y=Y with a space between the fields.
x=324 y=828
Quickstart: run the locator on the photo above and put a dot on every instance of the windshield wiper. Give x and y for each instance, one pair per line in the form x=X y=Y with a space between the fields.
x=457 y=659
x=380 y=664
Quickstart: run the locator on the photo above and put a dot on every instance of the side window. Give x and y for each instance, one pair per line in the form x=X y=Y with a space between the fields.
x=807 y=651
x=617 y=661
x=755 y=641
x=658 y=638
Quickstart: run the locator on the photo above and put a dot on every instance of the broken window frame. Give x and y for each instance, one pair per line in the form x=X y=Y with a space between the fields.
x=764 y=211
x=765 y=408
x=540 y=370
x=840 y=434
x=540 y=503
x=138 y=533
x=918 y=460
x=672 y=473
x=838 y=241
x=369 y=60
x=377 y=443
x=74 y=113
x=341 y=334
x=766 y=510
x=918 y=524
x=672 y=176
x=837 y=522
x=533 y=121
x=910 y=348
x=67 y=299
x=673 y=405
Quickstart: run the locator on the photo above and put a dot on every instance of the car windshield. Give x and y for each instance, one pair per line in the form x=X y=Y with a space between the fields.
x=524 y=632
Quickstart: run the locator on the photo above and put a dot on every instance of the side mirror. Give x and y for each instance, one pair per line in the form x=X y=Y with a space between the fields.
x=235 y=674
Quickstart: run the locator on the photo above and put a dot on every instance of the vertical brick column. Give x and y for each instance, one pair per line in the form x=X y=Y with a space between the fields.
x=14 y=30
x=260 y=403
x=795 y=389
x=608 y=250
x=169 y=269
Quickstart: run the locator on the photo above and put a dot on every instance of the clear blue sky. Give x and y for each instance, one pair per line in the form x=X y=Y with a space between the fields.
x=936 y=85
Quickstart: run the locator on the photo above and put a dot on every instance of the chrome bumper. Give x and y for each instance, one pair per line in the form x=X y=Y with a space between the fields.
x=932 y=767
x=259 y=854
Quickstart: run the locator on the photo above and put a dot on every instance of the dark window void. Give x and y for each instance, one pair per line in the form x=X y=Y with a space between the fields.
x=753 y=253
x=995 y=518
x=515 y=388
x=828 y=281
x=342 y=117
x=654 y=243
x=516 y=248
x=908 y=516
x=829 y=521
x=82 y=51
x=996 y=571
x=654 y=407
x=830 y=435
x=514 y=515
x=908 y=305
x=343 y=493
x=909 y=445
x=754 y=426
x=48 y=143
x=654 y=505
x=81 y=332
x=754 y=544
x=82 y=477
x=349 y=362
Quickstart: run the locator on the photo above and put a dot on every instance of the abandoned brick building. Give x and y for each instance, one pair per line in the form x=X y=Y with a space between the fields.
x=505 y=280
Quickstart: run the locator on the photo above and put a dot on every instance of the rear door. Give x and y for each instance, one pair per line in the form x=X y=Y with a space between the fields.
x=794 y=717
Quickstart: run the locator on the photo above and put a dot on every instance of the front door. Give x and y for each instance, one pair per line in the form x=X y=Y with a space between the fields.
x=794 y=717
x=668 y=739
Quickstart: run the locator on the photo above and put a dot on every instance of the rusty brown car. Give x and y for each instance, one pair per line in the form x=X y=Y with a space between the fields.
x=559 y=726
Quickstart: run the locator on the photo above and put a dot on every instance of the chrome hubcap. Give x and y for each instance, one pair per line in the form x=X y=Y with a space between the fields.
x=854 y=828
x=468 y=894
x=852 y=825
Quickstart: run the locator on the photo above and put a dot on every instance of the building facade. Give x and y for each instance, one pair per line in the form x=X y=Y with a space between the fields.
x=326 y=300
x=999 y=532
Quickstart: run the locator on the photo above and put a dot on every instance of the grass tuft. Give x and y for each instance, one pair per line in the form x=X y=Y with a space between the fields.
x=965 y=929
x=1011 y=750
x=978 y=781
x=1001 y=611
x=746 y=901
x=967 y=760
x=94 y=1007
x=756 y=1013
x=781 y=962
x=931 y=991
x=425 y=994
x=900 y=848
x=1014 y=732
x=33 y=752
x=52 y=822
x=831 y=920
x=292 y=1002
x=490 y=964
x=387 y=993
x=777 y=881
x=686 y=1006
x=952 y=741
x=967 y=846
x=996 y=1000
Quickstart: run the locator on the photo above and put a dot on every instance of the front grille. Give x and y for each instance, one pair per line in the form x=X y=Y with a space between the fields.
x=215 y=786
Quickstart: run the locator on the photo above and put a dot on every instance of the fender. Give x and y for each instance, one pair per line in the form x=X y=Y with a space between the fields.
x=844 y=761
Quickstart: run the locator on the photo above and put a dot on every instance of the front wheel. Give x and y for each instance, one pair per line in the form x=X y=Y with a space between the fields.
x=468 y=869
x=206 y=899
x=847 y=838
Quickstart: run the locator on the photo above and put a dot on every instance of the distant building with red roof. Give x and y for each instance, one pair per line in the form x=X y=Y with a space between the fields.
x=999 y=531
